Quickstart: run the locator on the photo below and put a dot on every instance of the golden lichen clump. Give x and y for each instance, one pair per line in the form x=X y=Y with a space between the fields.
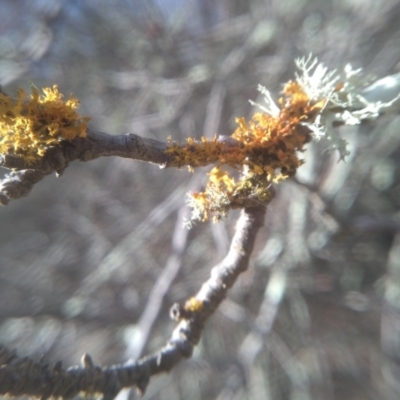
x=32 y=123
x=267 y=152
x=194 y=305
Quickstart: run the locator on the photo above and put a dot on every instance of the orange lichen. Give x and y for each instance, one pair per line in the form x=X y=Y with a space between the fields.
x=31 y=124
x=193 y=305
x=200 y=153
x=267 y=152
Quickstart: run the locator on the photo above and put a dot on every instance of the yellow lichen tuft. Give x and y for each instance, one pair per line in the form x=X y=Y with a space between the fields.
x=266 y=152
x=31 y=124
x=193 y=305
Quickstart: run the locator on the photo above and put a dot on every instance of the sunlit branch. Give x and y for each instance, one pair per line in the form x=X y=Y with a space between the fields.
x=25 y=173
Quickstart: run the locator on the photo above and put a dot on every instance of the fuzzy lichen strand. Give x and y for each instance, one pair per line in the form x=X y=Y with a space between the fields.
x=200 y=153
x=30 y=124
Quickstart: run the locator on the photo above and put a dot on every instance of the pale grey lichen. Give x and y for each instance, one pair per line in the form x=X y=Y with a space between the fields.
x=350 y=98
x=270 y=108
x=317 y=82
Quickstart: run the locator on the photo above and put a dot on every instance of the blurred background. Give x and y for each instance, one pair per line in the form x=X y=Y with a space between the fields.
x=93 y=260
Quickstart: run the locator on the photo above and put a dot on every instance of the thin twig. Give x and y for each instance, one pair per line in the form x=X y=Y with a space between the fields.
x=23 y=376
x=25 y=173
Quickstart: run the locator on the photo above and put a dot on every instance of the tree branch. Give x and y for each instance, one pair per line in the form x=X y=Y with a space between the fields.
x=23 y=376
x=25 y=173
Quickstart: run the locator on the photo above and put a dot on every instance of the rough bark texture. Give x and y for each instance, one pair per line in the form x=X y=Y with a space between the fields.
x=20 y=181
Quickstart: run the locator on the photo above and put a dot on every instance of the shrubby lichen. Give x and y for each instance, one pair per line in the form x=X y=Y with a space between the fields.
x=269 y=145
x=30 y=124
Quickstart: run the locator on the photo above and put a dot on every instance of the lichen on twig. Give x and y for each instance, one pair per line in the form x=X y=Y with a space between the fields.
x=44 y=133
x=30 y=124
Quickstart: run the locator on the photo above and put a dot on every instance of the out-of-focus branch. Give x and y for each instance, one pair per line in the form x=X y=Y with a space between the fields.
x=25 y=173
x=23 y=376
